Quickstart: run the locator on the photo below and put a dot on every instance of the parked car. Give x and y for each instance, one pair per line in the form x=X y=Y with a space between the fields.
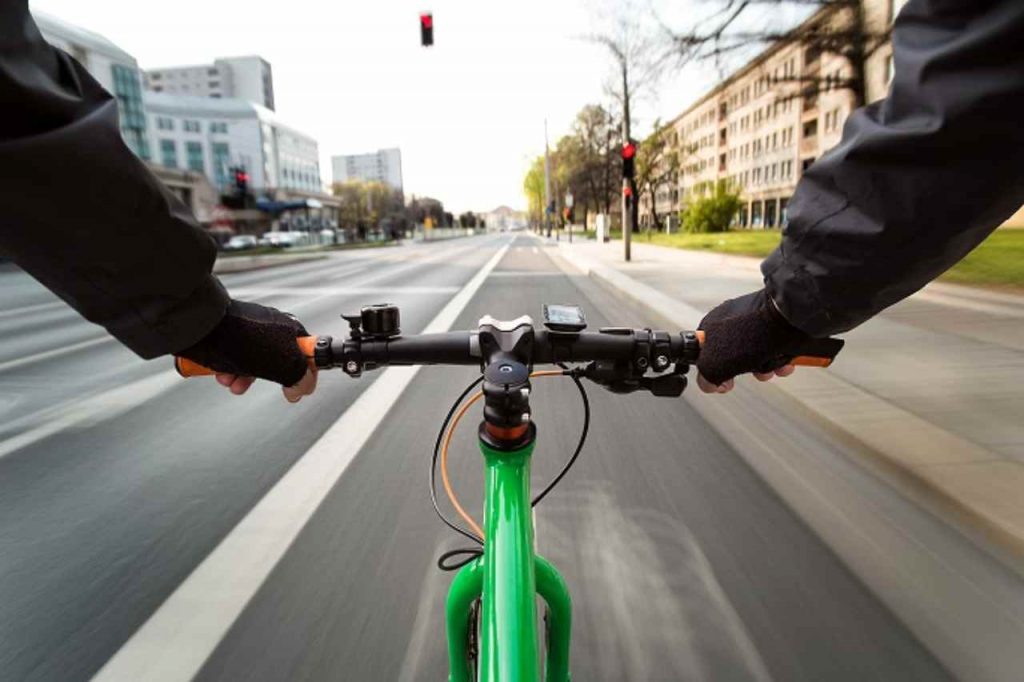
x=284 y=239
x=241 y=242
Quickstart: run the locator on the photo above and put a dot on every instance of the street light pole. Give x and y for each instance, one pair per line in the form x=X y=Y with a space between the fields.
x=547 y=182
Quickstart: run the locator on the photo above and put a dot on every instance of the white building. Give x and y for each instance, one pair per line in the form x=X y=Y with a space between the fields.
x=248 y=78
x=384 y=165
x=209 y=136
x=114 y=69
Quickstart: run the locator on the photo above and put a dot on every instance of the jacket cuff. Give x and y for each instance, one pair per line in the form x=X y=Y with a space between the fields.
x=179 y=327
x=793 y=292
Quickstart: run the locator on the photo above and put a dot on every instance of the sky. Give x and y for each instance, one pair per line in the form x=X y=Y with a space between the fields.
x=467 y=113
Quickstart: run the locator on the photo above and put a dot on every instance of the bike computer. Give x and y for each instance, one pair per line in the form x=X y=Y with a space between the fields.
x=564 y=318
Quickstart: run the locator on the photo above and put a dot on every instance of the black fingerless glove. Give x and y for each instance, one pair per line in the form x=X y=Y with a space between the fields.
x=746 y=334
x=253 y=340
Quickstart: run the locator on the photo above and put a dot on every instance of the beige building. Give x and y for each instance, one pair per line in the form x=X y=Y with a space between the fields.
x=757 y=131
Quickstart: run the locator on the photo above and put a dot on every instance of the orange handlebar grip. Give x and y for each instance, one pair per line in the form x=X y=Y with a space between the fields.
x=188 y=368
x=810 y=361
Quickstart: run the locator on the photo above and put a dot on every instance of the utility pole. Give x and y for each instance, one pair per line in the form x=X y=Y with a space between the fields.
x=627 y=213
x=547 y=182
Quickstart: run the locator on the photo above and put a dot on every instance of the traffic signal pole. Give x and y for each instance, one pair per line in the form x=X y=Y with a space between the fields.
x=627 y=182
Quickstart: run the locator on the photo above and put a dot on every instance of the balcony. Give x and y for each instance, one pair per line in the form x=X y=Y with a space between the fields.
x=809 y=145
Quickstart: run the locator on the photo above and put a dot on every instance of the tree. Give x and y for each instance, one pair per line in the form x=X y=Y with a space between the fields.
x=366 y=205
x=468 y=219
x=713 y=212
x=657 y=166
x=844 y=28
x=638 y=59
x=533 y=188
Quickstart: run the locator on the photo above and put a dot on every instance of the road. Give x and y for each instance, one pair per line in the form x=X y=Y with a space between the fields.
x=117 y=480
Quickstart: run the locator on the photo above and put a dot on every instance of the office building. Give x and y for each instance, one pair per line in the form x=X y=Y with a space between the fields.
x=210 y=136
x=384 y=165
x=248 y=78
x=114 y=69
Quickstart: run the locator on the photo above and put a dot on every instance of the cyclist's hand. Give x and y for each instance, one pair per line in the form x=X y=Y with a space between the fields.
x=255 y=342
x=745 y=334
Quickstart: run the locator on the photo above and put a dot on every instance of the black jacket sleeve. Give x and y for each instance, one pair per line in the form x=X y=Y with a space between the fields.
x=918 y=179
x=83 y=215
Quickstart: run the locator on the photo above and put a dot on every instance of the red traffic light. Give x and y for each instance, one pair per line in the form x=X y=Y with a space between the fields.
x=426 y=29
x=629 y=150
x=627 y=191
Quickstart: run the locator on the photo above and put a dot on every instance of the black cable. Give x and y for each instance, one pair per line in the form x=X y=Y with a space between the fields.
x=574 y=375
x=433 y=470
x=470 y=553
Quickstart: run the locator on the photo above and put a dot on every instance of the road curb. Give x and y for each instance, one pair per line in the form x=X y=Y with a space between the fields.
x=967 y=486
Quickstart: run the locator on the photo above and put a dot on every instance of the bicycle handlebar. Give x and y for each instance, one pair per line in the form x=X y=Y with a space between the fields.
x=462 y=348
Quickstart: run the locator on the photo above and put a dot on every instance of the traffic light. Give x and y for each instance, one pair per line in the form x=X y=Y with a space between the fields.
x=237 y=194
x=629 y=159
x=241 y=181
x=427 y=29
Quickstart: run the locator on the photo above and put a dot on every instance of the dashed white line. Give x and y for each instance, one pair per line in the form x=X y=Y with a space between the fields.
x=56 y=352
x=24 y=310
x=100 y=407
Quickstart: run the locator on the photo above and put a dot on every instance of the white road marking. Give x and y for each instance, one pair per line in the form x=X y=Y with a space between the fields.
x=56 y=352
x=24 y=310
x=182 y=633
x=348 y=272
x=91 y=410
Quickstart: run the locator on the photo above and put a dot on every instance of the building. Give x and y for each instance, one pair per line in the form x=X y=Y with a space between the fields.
x=504 y=218
x=757 y=131
x=248 y=78
x=210 y=136
x=114 y=69
x=384 y=165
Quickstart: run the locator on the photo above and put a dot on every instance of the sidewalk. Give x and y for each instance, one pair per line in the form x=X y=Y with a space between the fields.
x=933 y=389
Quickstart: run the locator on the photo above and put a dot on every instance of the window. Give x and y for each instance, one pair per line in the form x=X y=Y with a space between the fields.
x=168 y=153
x=155 y=76
x=218 y=127
x=190 y=126
x=811 y=128
x=212 y=72
x=221 y=161
x=194 y=157
x=213 y=84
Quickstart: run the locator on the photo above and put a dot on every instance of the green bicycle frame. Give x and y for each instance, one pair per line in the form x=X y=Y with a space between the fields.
x=507 y=579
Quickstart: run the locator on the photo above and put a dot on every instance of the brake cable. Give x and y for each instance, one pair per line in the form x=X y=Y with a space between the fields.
x=441 y=447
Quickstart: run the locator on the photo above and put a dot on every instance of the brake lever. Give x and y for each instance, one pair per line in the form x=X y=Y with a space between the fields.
x=621 y=378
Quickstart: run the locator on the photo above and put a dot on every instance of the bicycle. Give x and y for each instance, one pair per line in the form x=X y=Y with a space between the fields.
x=491 y=609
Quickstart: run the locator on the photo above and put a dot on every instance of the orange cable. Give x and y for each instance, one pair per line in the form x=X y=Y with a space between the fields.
x=444 y=465
x=447 y=442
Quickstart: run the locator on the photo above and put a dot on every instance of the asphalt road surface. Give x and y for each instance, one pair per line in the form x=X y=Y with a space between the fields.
x=117 y=479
